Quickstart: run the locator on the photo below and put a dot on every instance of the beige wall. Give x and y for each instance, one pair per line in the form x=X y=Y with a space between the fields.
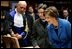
x=4 y=3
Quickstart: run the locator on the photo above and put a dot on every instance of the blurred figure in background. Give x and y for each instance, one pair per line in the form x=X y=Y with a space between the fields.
x=66 y=15
x=31 y=13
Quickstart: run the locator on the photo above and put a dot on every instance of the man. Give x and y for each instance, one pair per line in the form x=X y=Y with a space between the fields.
x=20 y=24
x=59 y=30
x=31 y=13
x=39 y=35
x=66 y=15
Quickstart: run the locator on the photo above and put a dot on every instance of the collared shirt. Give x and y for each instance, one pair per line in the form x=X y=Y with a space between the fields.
x=63 y=39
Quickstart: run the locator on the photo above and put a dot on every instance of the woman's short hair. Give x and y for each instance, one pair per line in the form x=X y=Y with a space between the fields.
x=43 y=6
x=52 y=11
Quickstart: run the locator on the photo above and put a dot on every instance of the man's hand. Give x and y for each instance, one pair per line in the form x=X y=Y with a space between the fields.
x=15 y=35
x=12 y=33
x=18 y=36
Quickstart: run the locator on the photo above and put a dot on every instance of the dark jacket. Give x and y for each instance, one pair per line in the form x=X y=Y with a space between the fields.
x=10 y=18
x=29 y=22
x=10 y=23
x=39 y=35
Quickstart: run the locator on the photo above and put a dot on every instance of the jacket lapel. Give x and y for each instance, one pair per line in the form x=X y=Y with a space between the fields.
x=59 y=28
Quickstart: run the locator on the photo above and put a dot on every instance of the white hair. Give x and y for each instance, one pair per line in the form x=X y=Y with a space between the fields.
x=22 y=2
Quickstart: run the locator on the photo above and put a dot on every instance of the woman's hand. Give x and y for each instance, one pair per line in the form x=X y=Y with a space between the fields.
x=36 y=47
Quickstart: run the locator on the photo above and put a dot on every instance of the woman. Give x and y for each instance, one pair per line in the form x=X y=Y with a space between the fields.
x=39 y=35
x=59 y=30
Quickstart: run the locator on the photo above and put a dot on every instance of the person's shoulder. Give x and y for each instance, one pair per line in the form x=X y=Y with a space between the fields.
x=37 y=20
x=35 y=24
x=65 y=22
x=27 y=15
x=12 y=12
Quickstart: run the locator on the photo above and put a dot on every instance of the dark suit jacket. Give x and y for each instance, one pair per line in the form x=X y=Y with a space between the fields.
x=39 y=35
x=29 y=22
x=10 y=23
x=10 y=18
